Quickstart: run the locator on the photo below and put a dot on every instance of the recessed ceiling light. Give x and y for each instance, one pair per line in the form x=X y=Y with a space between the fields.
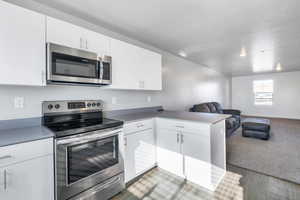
x=182 y=54
x=243 y=52
x=278 y=67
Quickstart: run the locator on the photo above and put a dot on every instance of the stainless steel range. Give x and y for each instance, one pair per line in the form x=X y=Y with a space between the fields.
x=88 y=158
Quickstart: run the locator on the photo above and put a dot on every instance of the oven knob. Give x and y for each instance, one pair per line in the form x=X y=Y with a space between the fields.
x=57 y=106
x=50 y=106
x=89 y=105
x=93 y=104
x=98 y=104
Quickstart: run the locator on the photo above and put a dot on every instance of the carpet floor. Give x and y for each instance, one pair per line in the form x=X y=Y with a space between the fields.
x=278 y=157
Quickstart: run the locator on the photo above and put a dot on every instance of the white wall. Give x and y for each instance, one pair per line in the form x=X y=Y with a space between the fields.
x=184 y=83
x=285 y=100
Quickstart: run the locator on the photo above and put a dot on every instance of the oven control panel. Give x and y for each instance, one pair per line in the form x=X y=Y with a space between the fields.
x=69 y=106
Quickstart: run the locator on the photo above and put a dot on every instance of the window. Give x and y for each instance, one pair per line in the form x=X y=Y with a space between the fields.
x=263 y=92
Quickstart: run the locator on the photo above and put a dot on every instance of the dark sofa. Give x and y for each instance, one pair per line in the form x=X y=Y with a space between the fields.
x=232 y=123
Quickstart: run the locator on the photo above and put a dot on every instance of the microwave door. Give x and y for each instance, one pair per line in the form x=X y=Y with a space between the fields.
x=74 y=66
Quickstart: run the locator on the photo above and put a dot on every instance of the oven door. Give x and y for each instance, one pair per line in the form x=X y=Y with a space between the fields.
x=86 y=160
x=70 y=65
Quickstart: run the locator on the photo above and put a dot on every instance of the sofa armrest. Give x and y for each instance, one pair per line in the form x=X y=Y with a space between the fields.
x=232 y=112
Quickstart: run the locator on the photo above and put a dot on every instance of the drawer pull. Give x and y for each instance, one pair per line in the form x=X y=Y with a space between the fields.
x=5 y=157
x=180 y=126
x=140 y=126
x=5 y=180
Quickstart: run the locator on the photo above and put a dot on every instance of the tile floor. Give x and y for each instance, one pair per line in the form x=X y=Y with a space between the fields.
x=238 y=184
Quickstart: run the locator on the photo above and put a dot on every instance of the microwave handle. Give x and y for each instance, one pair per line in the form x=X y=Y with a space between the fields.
x=100 y=70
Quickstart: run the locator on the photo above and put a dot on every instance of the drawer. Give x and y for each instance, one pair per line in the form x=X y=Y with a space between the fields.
x=181 y=125
x=24 y=151
x=138 y=126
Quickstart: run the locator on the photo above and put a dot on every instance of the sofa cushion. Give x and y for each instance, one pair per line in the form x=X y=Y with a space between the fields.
x=218 y=107
x=201 y=108
x=212 y=108
x=230 y=123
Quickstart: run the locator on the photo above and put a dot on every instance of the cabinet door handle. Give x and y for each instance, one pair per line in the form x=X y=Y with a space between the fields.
x=182 y=139
x=125 y=141
x=81 y=43
x=177 y=137
x=86 y=44
x=43 y=77
x=5 y=180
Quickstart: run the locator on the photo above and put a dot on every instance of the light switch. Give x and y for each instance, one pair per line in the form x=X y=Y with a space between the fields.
x=19 y=102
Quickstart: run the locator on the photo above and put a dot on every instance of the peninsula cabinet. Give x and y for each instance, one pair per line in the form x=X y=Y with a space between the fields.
x=70 y=35
x=26 y=171
x=22 y=46
x=135 y=68
x=195 y=151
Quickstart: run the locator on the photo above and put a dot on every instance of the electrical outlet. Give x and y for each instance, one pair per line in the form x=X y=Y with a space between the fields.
x=114 y=100
x=19 y=102
x=149 y=99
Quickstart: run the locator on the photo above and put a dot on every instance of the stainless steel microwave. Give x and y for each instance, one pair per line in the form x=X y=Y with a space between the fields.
x=67 y=65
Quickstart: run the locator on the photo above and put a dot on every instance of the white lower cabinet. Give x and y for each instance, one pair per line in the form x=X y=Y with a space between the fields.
x=140 y=154
x=31 y=178
x=196 y=153
x=169 y=155
x=191 y=150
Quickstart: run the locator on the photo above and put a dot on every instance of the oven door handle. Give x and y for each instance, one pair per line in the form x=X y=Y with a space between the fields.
x=80 y=139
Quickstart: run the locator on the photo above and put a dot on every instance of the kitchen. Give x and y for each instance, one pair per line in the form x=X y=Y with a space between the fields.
x=30 y=151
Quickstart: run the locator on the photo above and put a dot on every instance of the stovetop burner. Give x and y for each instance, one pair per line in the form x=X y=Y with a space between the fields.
x=66 y=118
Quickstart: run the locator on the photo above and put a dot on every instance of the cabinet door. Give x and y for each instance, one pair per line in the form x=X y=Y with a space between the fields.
x=22 y=49
x=32 y=179
x=168 y=153
x=66 y=34
x=134 y=67
x=197 y=160
x=151 y=73
x=125 y=73
x=97 y=43
x=139 y=153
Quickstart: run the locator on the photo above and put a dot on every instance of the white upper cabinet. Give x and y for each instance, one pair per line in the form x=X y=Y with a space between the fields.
x=63 y=33
x=98 y=43
x=22 y=46
x=70 y=35
x=134 y=67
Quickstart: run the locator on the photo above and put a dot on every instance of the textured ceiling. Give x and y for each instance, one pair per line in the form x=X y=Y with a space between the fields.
x=209 y=32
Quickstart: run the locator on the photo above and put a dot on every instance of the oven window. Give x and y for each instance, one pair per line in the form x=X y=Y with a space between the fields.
x=90 y=158
x=66 y=65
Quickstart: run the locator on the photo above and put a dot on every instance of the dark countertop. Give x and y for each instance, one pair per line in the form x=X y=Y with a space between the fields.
x=23 y=134
x=209 y=118
x=26 y=130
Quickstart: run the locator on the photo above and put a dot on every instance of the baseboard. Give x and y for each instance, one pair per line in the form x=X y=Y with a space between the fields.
x=268 y=117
